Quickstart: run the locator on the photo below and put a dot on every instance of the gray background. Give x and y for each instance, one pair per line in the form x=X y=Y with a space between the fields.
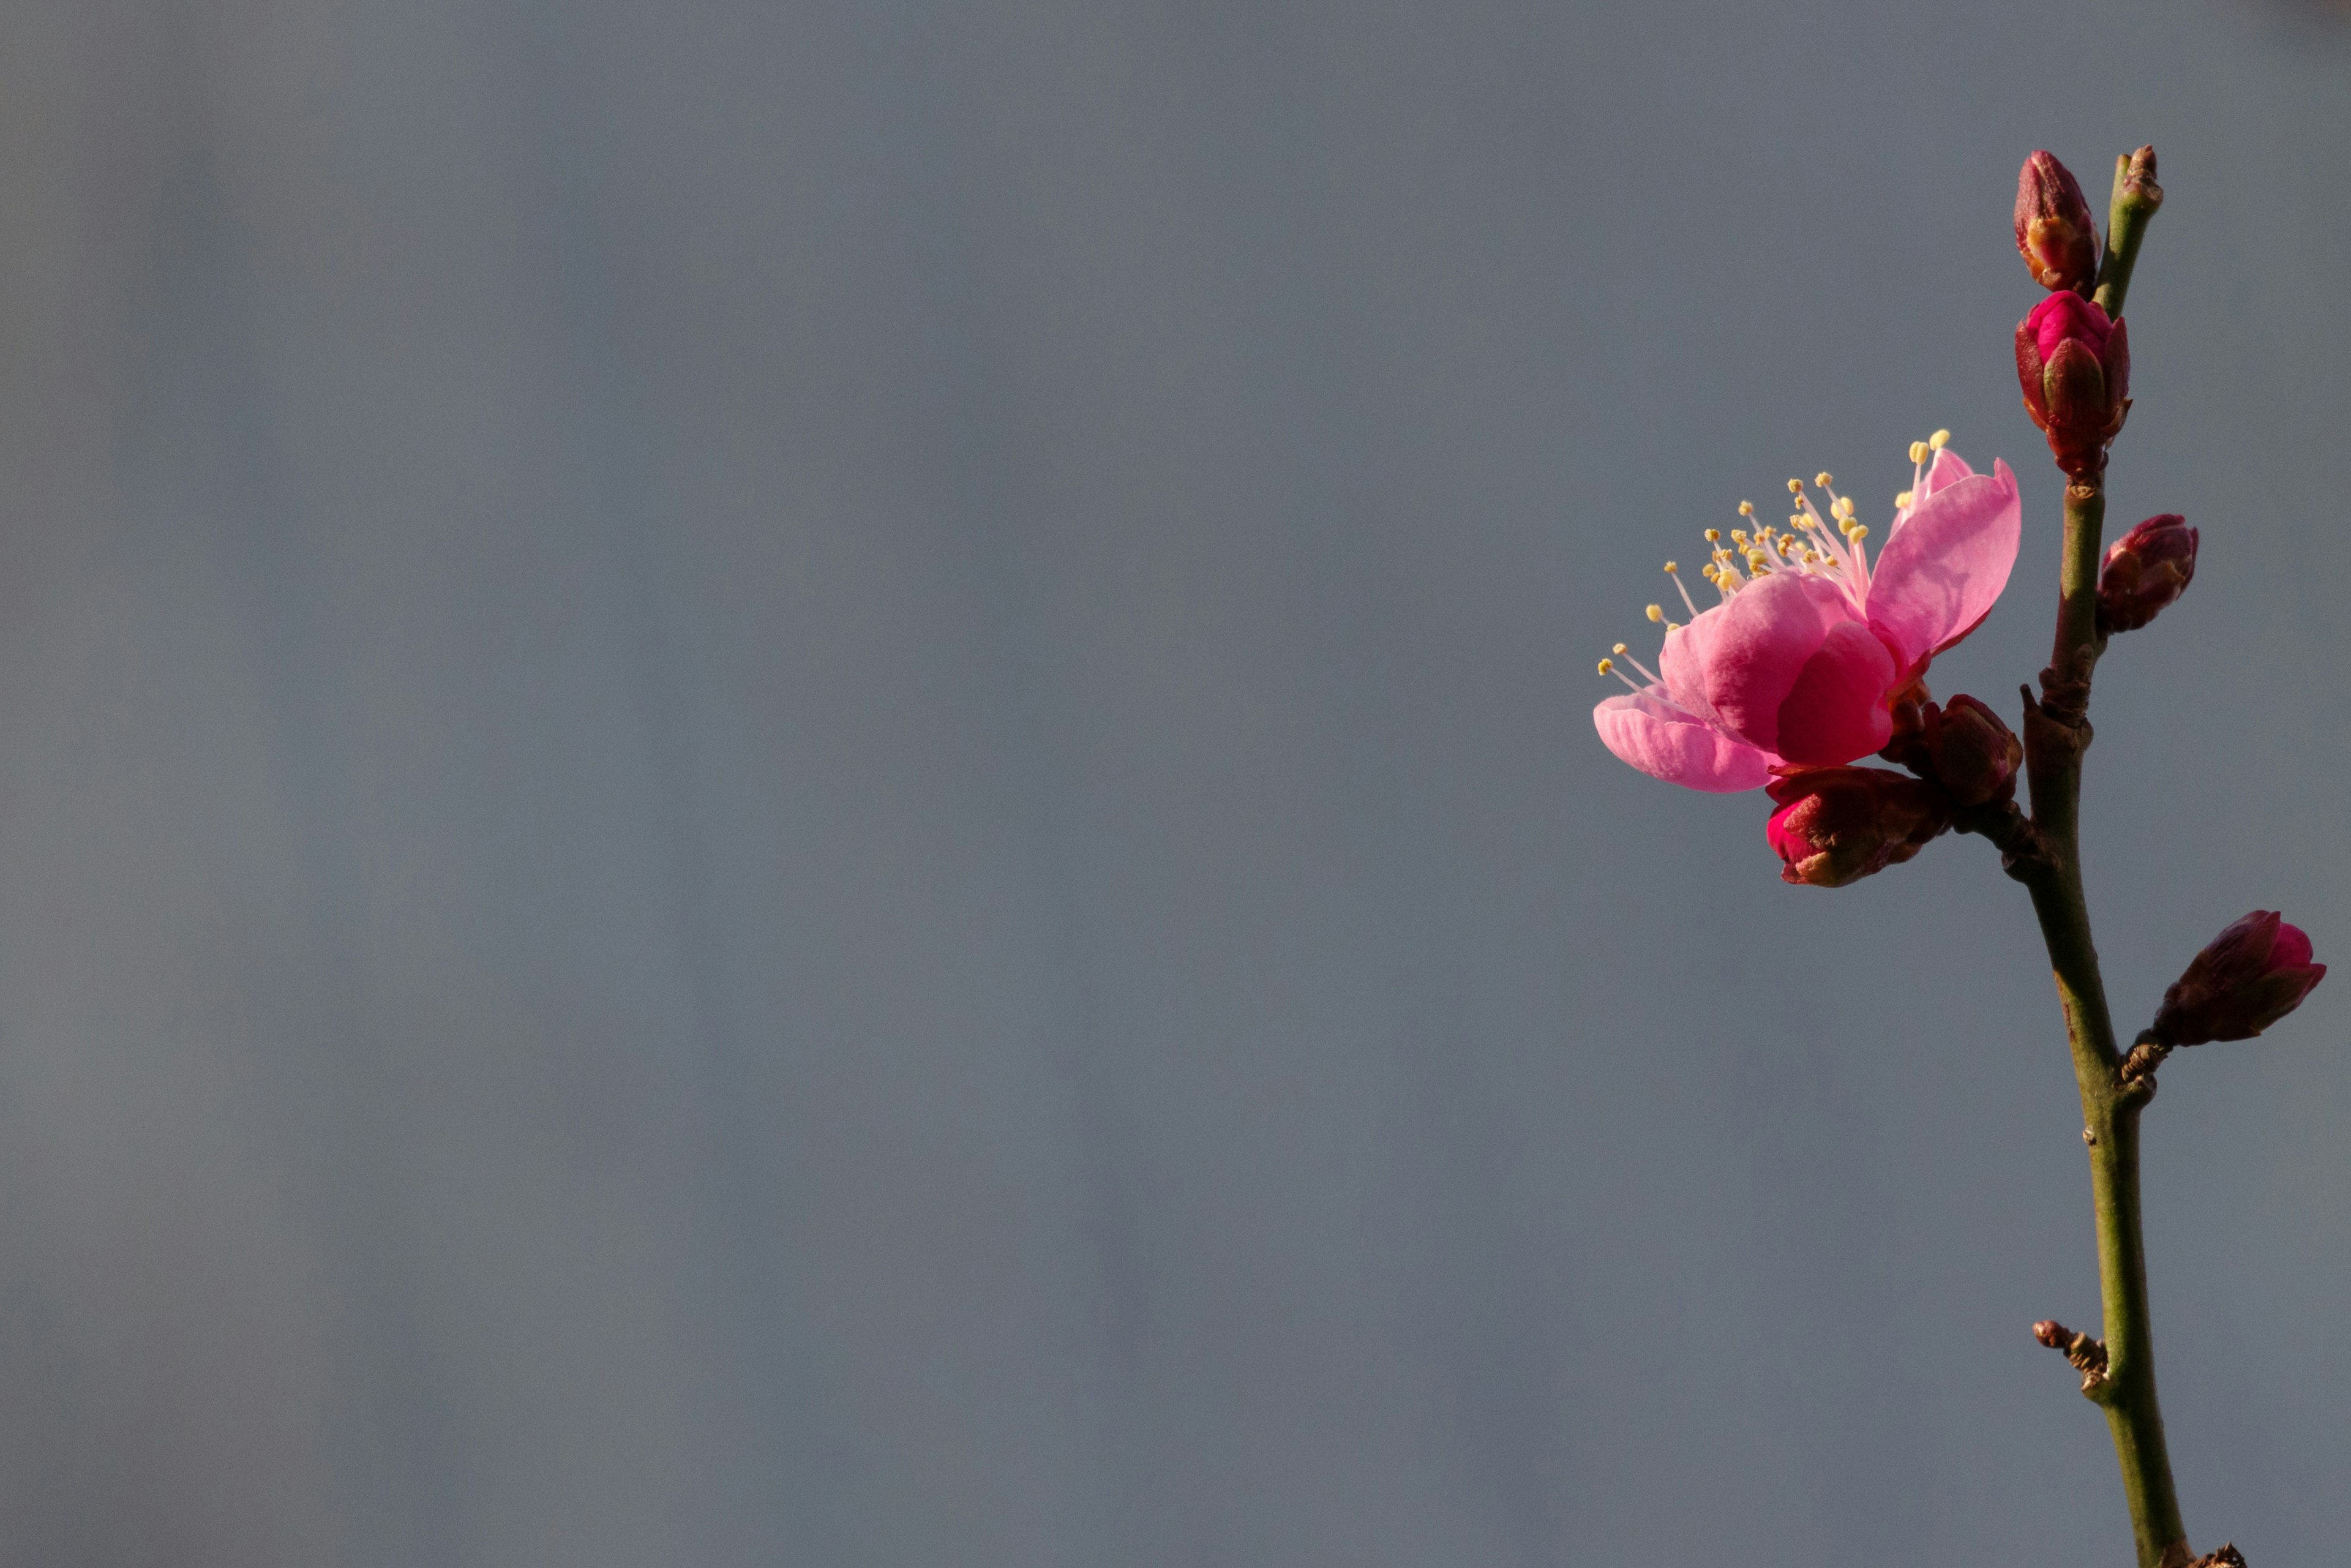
x=810 y=784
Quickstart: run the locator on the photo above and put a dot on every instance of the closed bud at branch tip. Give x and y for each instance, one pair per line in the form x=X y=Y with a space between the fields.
x=2056 y=231
x=2245 y=979
x=2145 y=570
x=1837 y=825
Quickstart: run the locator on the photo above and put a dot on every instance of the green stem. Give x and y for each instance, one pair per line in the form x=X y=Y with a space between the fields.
x=2056 y=734
x=2136 y=197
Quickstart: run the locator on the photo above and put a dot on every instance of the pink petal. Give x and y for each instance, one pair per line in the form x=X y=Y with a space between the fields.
x=2291 y=948
x=1836 y=711
x=1948 y=468
x=1670 y=743
x=1942 y=569
x=1737 y=663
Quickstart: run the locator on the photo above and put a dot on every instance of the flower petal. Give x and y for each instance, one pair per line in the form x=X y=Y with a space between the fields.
x=1948 y=468
x=1668 y=742
x=1737 y=663
x=1941 y=571
x=1836 y=711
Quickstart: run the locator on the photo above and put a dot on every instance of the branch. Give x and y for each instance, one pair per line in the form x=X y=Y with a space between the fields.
x=2056 y=736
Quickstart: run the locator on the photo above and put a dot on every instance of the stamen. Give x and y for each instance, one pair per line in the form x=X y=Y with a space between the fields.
x=1939 y=440
x=1673 y=569
x=1918 y=452
x=1650 y=674
x=1904 y=498
x=1823 y=479
x=1714 y=536
x=1656 y=612
x=1608 y=667
x=1746 y=509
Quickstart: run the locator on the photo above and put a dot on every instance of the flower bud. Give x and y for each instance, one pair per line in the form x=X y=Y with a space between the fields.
x=1836 y=825
x=2073 y=365
x=1907 y=746
x=2247 y=978
x=2055 y=232
x=1973 y=755
x=2145 y=570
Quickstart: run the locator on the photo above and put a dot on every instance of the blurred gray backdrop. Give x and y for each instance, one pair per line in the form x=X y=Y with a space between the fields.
x=810 y=784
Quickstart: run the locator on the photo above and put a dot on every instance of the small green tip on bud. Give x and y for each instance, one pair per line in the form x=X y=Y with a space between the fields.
x=2135 y=181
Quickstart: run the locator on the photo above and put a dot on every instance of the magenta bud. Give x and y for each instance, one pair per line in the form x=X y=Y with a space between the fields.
x=1836 y=825
x=2145 y=570
x=2055 y=232
x=1972 y=754
x=2247 y=978
x=2074 y=365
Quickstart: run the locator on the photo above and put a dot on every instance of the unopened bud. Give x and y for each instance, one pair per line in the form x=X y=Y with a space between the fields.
x=1837 y=825
x=1907 y=746
x=2055 y=232
x=1974 y=755
x=2074 y=365
x=2145 y=570
x=2247 y=978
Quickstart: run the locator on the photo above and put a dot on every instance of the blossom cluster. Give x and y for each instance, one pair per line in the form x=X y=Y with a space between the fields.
x=1811 y=654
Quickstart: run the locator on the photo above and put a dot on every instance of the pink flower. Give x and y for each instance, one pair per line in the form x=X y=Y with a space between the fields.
x=1801 y=661
x=2245 y=979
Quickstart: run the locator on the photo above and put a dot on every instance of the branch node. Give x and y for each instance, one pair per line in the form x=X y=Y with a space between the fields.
x=2227 y=1557
x=2088 y=1355
x=2146 y=1055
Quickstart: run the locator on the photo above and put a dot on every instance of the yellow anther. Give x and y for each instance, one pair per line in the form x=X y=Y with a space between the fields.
x=1857 y=532
x=1903 y=499
x=1607 y=666
x=1939 y=440
x=1796 y=486
x=1616 y=648
x=1844 y=506
x=1746 y=509
x=1756 y=560
x=1673 y=566
x=1799 y=520
x=1656 y=612
x=1918 y=452
x=1713 y=536
x=1823 y=479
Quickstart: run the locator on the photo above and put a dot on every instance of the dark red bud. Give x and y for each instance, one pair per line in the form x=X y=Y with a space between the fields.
x=1905 y=746
x=2145 y=570
x=2247 y=978
x=1973 y=755
x=2055 y=232
x=1837 y=825
x=2073 y=367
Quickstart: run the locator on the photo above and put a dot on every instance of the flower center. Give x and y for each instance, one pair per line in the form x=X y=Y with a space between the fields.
x=1816 y=543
